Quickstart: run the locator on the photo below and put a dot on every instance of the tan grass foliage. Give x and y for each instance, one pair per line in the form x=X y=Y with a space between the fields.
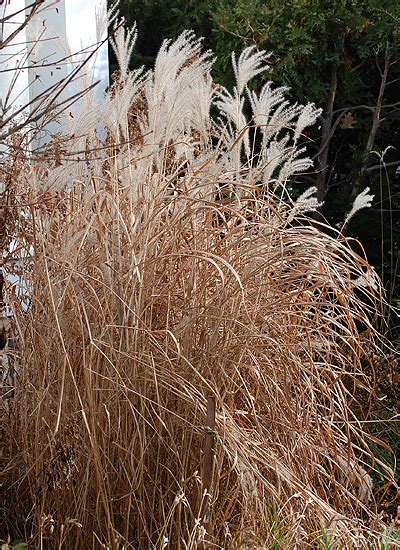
x=165 y=269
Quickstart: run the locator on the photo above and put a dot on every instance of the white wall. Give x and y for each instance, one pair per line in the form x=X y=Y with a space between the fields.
x=12 y=57
x=62 y=22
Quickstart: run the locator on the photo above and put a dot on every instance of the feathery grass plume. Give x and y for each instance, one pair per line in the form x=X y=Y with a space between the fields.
x=307 y=117
x=367 y=280
x=304 y=203
x=156 y=286
x=271 y=115
x=248 y=66
x=363 y=200
x=181 y=70
x=123 y=43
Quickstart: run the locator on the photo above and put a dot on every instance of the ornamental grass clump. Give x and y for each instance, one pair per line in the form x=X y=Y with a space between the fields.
x=167 y=266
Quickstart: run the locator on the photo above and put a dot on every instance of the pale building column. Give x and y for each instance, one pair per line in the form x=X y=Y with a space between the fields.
x=46 y=37
x=13 y=56
x=40 y=67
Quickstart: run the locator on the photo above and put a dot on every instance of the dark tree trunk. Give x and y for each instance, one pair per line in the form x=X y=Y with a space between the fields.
x=327 y=122
x=376 y=120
